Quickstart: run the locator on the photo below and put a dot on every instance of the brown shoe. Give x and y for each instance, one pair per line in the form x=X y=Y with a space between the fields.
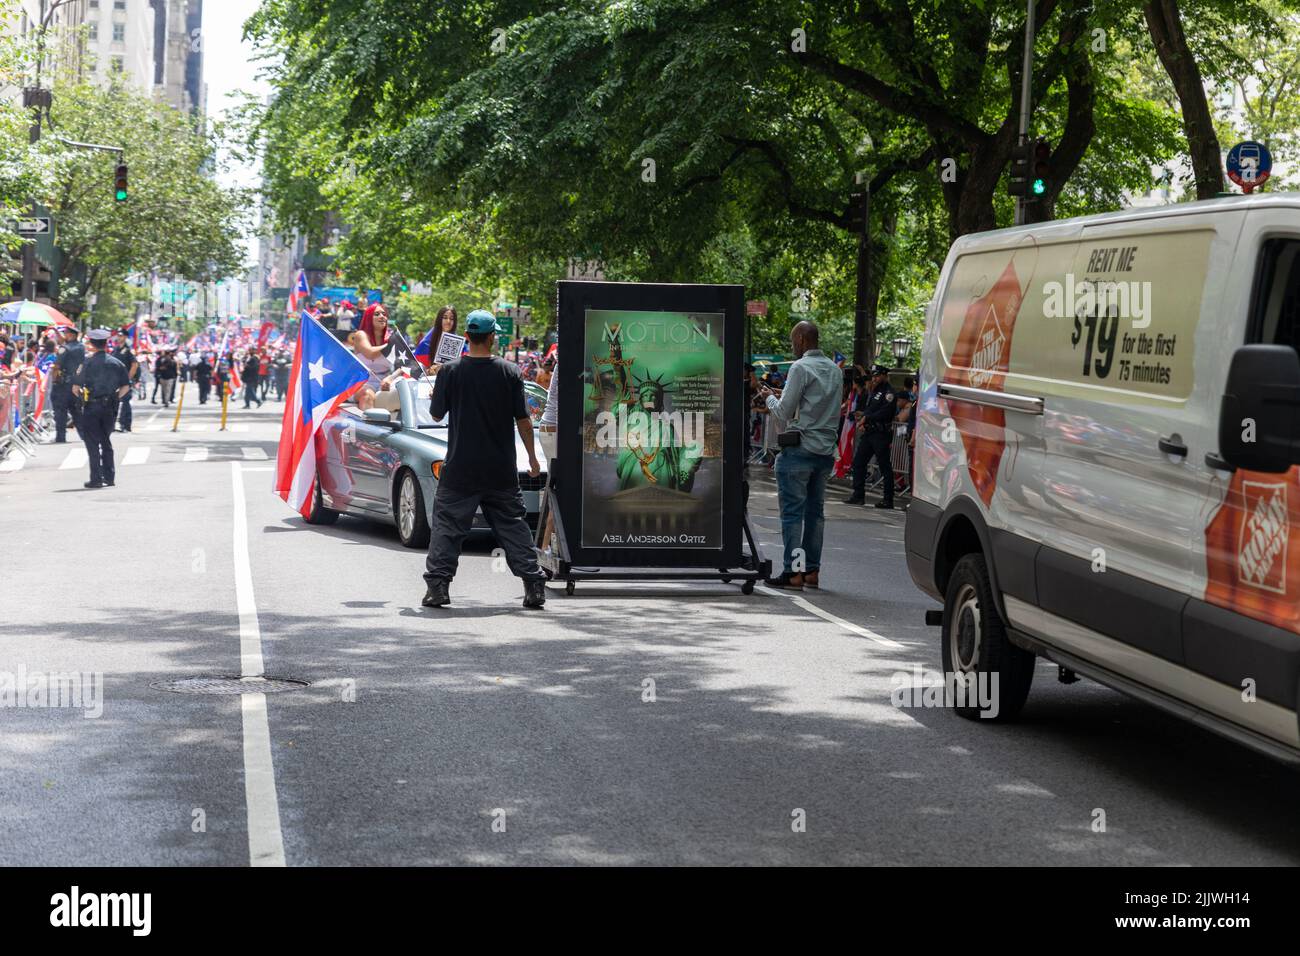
x=810 y=580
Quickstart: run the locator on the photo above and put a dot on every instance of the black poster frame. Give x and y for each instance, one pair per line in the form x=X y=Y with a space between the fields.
x=574 y=299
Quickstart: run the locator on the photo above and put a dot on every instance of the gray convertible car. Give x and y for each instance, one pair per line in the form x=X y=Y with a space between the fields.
x=384 y=463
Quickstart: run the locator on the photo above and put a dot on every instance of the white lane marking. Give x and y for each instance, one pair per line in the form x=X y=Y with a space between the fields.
x=136 y=455
x=253 y=454
x=239 y=427
x=196 y=453
x=151 y=418
x=77 y=458
x=250 y=633
x=14 y=462
x=198 y=427
x=828 y=616
x=259 y=469
x=265 y=841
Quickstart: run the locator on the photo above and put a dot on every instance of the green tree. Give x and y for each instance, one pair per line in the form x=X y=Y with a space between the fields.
x=177 y=220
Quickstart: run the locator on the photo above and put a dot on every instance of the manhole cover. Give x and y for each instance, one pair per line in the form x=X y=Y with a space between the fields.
x=231 y=685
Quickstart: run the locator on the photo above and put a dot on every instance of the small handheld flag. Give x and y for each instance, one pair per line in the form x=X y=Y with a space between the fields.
x=399 y=353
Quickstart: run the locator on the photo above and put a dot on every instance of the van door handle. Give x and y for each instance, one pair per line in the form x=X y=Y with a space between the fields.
x=1173 y=446
x=1213 y=459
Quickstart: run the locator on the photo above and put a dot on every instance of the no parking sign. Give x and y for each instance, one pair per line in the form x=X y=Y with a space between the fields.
x=1249 y=165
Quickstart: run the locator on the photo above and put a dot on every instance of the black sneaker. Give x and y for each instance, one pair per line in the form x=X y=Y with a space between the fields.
x=93 y=484
x=786 y=582
x=534 y=593
x=885 y=505
x=437 y=595
x=855 y=500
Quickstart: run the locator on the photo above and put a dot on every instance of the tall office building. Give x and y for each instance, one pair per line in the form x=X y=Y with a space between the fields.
x=120 y=42
x=178 y=52
x=63 y=50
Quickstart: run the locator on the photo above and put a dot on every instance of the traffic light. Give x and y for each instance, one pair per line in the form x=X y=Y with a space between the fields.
x=1042 y=169
x=120 y=184
x=1031 y=170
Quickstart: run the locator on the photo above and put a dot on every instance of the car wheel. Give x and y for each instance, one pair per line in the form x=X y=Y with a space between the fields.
x=975 y=643
x=319 y=514
x=408 y=511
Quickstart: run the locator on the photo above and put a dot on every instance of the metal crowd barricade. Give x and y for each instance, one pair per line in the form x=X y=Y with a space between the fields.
x=898 y=455
x=762 y=454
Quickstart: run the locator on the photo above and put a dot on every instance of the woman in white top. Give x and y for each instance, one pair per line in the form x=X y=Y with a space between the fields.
x=370 y=343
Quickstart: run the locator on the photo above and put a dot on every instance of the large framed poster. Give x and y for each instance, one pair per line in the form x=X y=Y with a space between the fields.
x=651 y=440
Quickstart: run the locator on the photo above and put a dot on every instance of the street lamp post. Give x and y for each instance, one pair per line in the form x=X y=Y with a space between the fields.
x=902 y=348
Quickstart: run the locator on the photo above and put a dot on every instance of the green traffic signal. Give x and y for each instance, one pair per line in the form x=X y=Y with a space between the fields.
x=120 y=183
x=1038 y=187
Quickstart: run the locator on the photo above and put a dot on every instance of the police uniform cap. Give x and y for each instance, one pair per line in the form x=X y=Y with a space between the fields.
x=879 y=370
x=98 y=336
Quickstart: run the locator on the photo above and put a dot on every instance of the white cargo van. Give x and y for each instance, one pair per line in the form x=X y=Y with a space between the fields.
x=1106 y=459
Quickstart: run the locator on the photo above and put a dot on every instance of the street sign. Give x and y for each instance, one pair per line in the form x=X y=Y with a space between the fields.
x=1249 y=165
x=585 y=271
x=37 y=226
x=756 y=307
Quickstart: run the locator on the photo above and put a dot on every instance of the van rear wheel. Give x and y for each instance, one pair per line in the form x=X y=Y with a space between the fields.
x=978 y=657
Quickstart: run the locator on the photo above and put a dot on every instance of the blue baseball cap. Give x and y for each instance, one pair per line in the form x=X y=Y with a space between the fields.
x=480 y=320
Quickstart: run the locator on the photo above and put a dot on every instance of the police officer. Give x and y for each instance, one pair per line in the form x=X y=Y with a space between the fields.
x=124 y=355
x=203 y=378
x=61 y=399
x=100 y=383
x=875 y=412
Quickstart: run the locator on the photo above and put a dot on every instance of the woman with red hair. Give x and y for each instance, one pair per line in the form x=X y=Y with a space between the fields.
x=369 y=342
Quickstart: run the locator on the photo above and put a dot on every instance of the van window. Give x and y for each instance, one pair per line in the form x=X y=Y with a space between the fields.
x=1277 y=321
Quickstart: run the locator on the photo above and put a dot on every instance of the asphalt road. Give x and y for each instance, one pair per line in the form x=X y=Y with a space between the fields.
x=483 y=734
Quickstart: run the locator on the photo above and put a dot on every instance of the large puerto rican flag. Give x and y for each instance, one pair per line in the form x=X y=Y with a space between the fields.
x=324 y=374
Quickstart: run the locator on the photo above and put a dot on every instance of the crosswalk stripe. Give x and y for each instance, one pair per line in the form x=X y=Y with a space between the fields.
x=136 y=455
x=198 y=427
x=253 y=454
x=239 y=427
x=196 y=453
x=77 y=458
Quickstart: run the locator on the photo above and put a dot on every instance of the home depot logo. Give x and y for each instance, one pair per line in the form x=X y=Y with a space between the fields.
x=988 y=349
x=1263 y=535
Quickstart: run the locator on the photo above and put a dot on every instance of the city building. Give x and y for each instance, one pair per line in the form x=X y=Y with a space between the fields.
x=119 y=41
x=178 y=54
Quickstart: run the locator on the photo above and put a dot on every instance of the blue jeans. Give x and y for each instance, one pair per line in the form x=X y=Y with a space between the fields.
x=801 y=492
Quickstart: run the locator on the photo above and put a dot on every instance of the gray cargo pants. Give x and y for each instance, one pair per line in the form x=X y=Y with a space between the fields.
x=453 y=517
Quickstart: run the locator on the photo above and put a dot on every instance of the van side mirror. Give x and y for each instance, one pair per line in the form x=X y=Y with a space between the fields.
x=1259 y=418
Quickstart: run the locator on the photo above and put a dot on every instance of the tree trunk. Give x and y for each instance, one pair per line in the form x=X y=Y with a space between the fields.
x=1165 y=23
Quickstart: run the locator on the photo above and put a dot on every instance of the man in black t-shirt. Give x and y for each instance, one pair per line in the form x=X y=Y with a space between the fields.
x=484 y=397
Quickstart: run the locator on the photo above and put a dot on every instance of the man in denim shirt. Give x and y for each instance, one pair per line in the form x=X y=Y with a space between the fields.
x=807 y=408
